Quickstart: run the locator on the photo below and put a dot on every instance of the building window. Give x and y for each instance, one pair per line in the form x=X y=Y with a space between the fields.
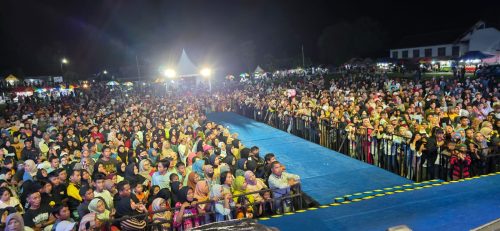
x=405 y=54
x=442 y=51
x=455 y=51
x=416 y=53
x=428 y=52
x=395 y=54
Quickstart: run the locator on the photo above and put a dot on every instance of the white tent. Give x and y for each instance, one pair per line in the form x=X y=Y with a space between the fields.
x=259 y=70
x=186 y=68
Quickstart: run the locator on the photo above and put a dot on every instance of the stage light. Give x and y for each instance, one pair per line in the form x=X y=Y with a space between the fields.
x=169 y=73
x=206 y=72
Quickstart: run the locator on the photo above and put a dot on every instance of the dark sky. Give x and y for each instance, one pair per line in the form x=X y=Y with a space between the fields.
x=97 y=35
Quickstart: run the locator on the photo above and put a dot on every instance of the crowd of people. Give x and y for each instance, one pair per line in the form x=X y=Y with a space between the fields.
x=435 y=128
x=102 y=160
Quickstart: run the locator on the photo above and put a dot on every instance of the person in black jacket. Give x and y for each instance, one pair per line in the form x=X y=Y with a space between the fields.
x=29 y=152
x=432 y=150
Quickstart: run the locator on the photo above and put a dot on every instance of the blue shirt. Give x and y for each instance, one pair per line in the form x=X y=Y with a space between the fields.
x=163 y=181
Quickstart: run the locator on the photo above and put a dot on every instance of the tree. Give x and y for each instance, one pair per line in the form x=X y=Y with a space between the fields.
x=345 y=40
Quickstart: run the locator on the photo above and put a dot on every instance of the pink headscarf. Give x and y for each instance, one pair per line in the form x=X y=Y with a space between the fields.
x=190 y=158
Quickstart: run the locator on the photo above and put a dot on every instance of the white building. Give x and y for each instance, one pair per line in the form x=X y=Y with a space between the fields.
x=450 y=44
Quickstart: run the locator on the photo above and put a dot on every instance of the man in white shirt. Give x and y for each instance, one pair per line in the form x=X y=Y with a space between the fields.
x=281 y=182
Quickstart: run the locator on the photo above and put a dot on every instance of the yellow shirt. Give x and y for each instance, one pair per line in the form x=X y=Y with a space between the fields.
x=74 y=192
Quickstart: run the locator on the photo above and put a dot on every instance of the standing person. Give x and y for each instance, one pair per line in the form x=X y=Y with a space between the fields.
x=164 y=217
x=185 y=218
x=432 y=152
x=222 y=205
x=460 y=162
x=281 y=183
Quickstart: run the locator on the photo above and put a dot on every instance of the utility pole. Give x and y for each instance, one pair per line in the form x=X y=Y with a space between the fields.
x=138 y=70
x=303 y=60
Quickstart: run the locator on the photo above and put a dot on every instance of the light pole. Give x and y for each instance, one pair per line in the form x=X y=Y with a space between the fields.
x=63 y=61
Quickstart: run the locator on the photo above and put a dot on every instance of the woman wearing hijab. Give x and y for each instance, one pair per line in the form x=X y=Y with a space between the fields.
x=120 y=171
x=41 y=174
x=122 y=154
x=241 y=167
x=198 y=168
x=193 y=179
x=131 y=174
x=254 y=184
x=145 y=169
x=175 y=186
x=185 y=217
x=153 y=192
x=189 y=161
x=223 y=203
x=160 y=215
x=30 y=170
x=201 y=191
x=15 y=222
x=98 y=206
x=89 y=222
x=239 y=188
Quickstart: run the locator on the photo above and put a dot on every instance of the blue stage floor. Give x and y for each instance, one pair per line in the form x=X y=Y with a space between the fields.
x=456 y=206
x=325 y=174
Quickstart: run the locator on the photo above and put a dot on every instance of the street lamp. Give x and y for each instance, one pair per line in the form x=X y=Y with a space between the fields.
x=105 y=72
x=63 y=61
x=207 y=72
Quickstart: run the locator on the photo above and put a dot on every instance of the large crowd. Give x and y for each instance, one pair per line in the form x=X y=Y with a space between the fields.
x=100 y=159
x=435 y=128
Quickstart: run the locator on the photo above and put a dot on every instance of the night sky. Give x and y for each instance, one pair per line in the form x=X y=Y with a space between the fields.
x=35 y=34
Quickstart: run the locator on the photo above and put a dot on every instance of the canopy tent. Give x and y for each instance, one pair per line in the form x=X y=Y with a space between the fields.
x=259 y=70
x=472 y=55
x=186 y=68
x=112 y=83
x=11 y=78
x=368 y=61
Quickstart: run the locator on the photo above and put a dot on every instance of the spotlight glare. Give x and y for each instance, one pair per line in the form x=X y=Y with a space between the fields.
x=169 y=73
x=206 y=72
